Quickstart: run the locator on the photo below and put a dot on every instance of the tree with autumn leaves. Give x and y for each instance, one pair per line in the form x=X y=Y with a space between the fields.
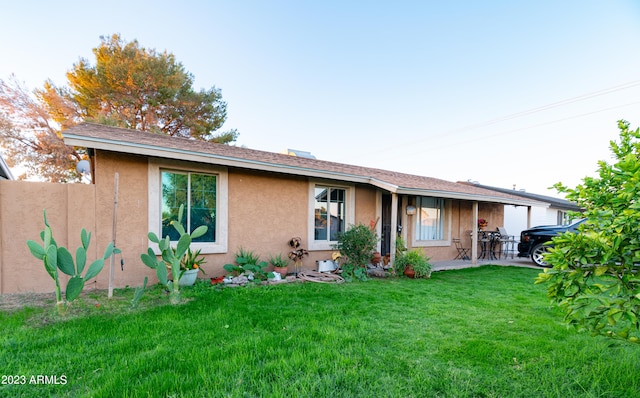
x=129 y=86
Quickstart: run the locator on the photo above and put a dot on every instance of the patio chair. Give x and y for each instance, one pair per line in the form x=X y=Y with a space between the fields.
x=508 y=242
x=463 y=253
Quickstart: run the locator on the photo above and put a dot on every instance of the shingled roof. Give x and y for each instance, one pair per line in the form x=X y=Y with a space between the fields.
x=116 y=139
x=557 y=203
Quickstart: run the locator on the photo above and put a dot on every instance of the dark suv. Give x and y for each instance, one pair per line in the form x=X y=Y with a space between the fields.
x=534 y=242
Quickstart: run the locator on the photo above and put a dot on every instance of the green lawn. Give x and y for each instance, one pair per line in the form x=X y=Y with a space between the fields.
x=482 y=332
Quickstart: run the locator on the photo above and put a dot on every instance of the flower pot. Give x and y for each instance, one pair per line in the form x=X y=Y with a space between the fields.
x=281 y=270
x=188 y=277
x=409 y=272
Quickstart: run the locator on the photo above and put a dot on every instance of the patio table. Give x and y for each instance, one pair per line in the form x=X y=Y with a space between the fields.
x=488 y=241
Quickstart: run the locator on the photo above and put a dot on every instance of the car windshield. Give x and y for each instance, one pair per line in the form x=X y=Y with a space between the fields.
x=578 y=222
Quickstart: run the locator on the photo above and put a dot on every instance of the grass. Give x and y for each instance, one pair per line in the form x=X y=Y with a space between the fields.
x=482 y=332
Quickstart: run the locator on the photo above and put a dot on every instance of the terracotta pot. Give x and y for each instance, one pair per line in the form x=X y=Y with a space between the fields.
x=281 y=270
x=409 y=272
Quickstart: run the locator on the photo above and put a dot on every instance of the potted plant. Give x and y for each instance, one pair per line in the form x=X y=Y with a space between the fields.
x=190 y=264
x=413 y=264
x=280 y=264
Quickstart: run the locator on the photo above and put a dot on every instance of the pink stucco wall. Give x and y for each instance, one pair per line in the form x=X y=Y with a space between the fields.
x=21 y=218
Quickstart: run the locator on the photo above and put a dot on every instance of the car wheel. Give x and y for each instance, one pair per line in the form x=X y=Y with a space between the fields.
x=537 y=254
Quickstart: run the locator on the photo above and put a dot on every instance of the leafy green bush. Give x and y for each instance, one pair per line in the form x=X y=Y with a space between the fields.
x=357 y=246
x=595 y=279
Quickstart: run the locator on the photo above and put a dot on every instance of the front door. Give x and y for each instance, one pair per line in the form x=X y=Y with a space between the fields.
x=385 y=241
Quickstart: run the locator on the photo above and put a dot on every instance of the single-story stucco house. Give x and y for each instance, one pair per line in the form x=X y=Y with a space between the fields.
x=248 y=198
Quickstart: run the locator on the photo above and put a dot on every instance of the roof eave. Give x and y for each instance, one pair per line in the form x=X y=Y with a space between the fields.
x=180 y=154
x=472 y=197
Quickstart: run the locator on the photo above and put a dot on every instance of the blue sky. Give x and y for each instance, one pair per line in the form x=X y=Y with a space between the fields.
x=499 y=92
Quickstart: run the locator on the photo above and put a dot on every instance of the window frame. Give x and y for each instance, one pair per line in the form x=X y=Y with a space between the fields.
x=156 y=166
x=446 y=224
x=349 y=213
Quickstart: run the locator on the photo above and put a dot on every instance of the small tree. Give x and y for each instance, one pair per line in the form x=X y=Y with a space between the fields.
x=595 y=277
x=357 y=246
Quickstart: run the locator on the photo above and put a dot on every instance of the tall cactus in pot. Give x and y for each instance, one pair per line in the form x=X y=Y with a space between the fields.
x=171 y=256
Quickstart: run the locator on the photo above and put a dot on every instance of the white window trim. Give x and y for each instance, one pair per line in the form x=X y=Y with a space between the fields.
x=222 y=195
x=350 y=202
x=433 y=243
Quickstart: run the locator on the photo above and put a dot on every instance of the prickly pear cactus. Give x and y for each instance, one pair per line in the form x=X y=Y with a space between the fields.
x=170 y=257
x=59 y=258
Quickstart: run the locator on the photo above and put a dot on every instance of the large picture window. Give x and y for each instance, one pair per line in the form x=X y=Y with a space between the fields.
x=197 y=193
x=201 y=189
x=430 y=218
x=329 y=213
